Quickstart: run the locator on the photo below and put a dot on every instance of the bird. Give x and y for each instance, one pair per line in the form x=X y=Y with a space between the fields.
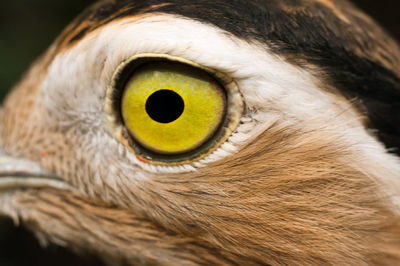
x=186 y=132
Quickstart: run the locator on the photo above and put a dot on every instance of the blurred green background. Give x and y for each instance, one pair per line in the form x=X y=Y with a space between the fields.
x=27 y=28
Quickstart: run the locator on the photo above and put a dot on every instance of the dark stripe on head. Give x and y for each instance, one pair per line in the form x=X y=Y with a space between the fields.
x=358 y=57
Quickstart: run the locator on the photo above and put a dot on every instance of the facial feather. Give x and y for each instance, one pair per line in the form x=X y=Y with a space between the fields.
x=301 y=181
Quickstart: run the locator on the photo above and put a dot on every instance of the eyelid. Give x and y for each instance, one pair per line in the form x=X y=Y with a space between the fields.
x=234 y=111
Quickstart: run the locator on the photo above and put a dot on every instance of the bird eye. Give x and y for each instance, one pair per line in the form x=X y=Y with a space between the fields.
x=172 y=110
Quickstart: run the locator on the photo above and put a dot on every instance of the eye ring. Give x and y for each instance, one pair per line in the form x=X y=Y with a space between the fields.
x=233 y=111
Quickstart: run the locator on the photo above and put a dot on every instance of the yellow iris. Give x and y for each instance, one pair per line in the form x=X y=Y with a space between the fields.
x=172 y=108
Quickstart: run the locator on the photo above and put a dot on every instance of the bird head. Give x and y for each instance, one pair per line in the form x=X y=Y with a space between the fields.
x=210 y=132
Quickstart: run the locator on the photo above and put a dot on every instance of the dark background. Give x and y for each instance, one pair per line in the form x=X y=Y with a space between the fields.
x=27 y=28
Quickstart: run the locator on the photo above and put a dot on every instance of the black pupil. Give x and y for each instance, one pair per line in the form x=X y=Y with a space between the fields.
x=165 y=106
